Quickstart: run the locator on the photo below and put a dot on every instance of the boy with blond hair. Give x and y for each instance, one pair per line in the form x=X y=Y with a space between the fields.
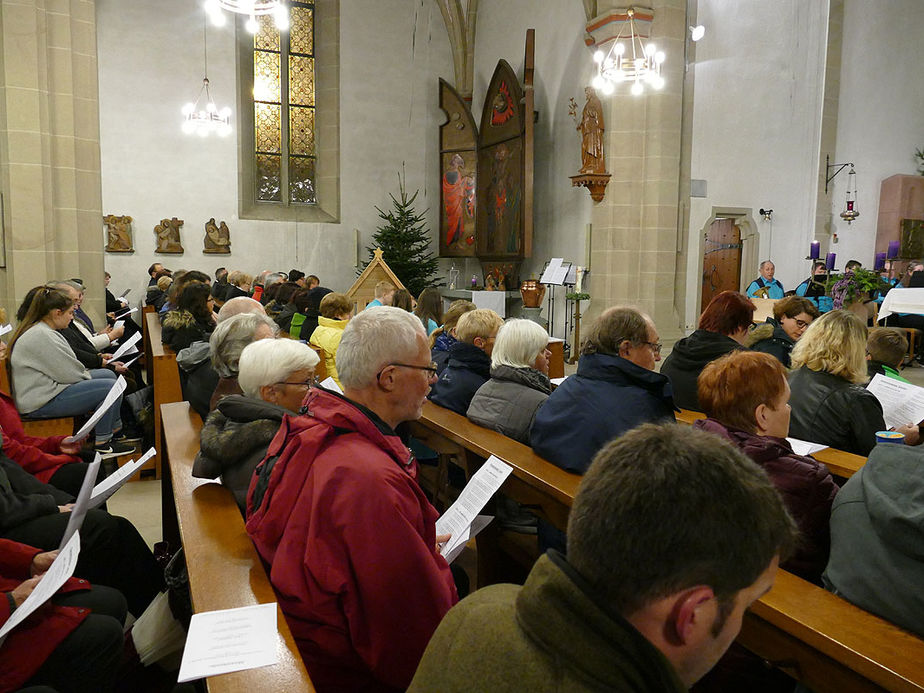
x=469 y=365
x=384 y=293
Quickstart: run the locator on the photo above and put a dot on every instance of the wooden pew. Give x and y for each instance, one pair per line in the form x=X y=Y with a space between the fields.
x=146 y=341
x=815 y=636
x=41 y=428
x=224 y=568
x=166 y=382
x=839 y=463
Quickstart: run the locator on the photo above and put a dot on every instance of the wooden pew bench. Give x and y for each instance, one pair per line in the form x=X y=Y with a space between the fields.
x=61 y=426
x=815 y=636
x=166 y=381
x=224 y=568
x=839 y=463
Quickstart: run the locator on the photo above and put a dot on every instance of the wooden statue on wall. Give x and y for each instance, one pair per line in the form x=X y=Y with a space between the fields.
x=167 y=236
x=592 y=175
x=487 y=173
x=118 y=233
x=217 y=238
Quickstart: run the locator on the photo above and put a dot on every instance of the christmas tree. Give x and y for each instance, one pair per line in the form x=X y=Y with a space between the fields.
x=405 y=243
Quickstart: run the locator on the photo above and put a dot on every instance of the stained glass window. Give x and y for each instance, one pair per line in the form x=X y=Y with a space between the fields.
x=284 y=108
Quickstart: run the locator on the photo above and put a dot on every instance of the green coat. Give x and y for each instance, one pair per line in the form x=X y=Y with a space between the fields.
x=548 y=635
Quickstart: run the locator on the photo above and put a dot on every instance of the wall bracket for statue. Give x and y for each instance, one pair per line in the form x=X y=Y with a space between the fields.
x=592 y=175
x=217 y=238
x=118 y=233
x=167 y=237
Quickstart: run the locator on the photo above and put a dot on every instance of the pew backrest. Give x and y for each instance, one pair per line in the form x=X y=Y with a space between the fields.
x=224 y=568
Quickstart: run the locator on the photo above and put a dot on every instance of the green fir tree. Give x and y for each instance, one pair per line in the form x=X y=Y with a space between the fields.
x=405 y=243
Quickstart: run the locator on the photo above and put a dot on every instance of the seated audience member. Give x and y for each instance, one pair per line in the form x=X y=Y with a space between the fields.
x=156 y=271
x=157 y=293
x=192 y=321
x=358 y=576
x=239 y=284
x=220 y=286
x=469 y=364
x=226 y=344
x=111 y=550
x=638 y=604
x=746 y=397
x=885 y=352
x=765 y=286
x=384 y=293
x=311 y=282
x=336 y=311
x=444 y=336
x=49 y=381
x=101 y=340
x=615 y=389
x=118 y=307
x=723 y=327
x=791 y=317
x=519 y=382
x=284 y=300
x=268 y=299
x=876 y=537
x=312 y=311
x=830 y=406
x=275 y=375
x=403 y=300
x=73 y=643
x=181 y=280
x=238 y=305
x=300 y=302
x=298 y=277
x=430 y=309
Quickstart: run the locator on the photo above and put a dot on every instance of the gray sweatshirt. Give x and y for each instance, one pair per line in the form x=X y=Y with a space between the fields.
x=43 y=366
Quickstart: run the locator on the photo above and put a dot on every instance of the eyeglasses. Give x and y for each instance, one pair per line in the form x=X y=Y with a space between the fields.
x=431 y=369
x=655 y=347
x=301 y=383
x=801 y=324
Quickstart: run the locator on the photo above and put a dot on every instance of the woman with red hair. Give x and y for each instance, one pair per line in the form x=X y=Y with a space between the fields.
x=746 y=396
x=723 y=327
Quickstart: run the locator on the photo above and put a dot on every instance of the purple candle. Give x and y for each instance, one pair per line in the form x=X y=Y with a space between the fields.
x=893 y=249
x=815 y=250
x=880 y=261
x=829 y=261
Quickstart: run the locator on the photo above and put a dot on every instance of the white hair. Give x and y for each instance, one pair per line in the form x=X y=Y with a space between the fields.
x=373 y=339
x=766 y=262
x=229 y=338
x=270 y=361
x=518 y=344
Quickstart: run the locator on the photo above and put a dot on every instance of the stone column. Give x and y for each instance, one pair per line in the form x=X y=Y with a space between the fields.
x=49 y=148
x=635 y=258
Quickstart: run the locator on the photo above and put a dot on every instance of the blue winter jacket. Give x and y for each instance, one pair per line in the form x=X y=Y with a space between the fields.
x=605 y=398
x=468 y=369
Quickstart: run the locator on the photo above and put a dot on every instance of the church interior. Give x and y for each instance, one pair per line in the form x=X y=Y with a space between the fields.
x=776 y=120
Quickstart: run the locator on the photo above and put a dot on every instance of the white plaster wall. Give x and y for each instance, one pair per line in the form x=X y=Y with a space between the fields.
x=881 y=115
x=150 y=63
x=563 y=68
x=756 y=125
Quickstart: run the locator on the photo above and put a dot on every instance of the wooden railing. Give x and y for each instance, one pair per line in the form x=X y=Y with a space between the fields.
x=224 y=568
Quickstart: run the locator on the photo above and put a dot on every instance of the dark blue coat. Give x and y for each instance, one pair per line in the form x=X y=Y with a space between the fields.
x=468 y=369
x=605 y=398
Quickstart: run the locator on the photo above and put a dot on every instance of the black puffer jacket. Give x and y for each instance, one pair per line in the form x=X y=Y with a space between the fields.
x=182 y=329
x=687 y=360
x=771 y=338
x=830 y=410
x=508 y=402
x=234 y=440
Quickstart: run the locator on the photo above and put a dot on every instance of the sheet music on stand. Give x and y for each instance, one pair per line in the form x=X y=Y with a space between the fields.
x=555 y=272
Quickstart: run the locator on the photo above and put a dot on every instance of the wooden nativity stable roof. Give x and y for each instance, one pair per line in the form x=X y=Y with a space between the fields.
x=376 y=271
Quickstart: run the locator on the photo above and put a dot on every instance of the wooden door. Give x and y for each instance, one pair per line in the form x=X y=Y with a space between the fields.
x=721 y=259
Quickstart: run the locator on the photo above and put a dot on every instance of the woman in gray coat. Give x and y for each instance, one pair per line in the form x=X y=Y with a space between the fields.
x=519 y=382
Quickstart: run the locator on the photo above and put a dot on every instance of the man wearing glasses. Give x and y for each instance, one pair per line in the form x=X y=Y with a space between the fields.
x=336 y=511
x=615 y=389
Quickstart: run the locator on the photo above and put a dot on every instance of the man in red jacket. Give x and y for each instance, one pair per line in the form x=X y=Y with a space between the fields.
x=336 y=511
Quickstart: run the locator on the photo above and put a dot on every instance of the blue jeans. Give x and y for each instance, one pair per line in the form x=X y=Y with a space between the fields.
x=83 y=398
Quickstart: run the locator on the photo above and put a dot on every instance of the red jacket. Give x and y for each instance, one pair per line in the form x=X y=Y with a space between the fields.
x=30 y=643
x=336 y=512
x=41 y=457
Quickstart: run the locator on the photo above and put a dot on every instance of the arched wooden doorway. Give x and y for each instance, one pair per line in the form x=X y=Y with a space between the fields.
x=721 y=259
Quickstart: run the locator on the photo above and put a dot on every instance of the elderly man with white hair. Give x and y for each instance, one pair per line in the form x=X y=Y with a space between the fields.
x=275 y=375
x=358 y=576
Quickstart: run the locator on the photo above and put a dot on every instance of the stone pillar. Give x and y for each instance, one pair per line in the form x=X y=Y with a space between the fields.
x=635 y=245
x=49 y=148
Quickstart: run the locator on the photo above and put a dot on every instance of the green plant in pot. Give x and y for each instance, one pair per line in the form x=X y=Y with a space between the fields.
x=856 y=286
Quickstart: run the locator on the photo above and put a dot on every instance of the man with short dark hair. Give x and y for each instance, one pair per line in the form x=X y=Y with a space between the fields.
x=615 y=389
x=220 y=286
x=765 y=286
x=153 y=271
x=673 y=534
